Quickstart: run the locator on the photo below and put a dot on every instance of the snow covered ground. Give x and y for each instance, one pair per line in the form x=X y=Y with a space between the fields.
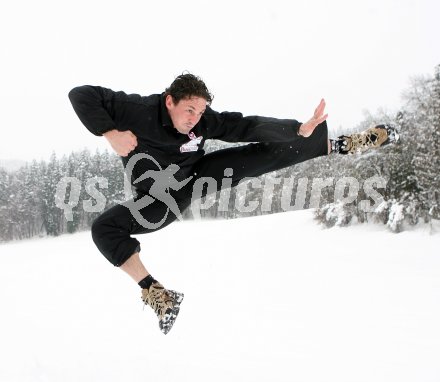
x=273 y=298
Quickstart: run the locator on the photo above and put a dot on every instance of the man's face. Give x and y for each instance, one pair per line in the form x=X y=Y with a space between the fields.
x=186 y=113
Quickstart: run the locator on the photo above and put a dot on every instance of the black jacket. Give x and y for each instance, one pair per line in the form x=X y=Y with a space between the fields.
x=101 y=110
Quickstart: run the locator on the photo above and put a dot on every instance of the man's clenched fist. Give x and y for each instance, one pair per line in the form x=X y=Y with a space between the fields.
x=123 y=142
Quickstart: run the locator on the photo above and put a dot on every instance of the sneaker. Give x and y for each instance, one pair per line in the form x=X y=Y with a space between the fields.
x=373 y=137
x=165 y=303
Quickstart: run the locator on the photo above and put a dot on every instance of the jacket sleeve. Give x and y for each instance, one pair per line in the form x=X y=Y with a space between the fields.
x=233 y=127
x=95 y=107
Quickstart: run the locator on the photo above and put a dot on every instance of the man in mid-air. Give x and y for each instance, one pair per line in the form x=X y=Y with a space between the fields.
x=170 y=129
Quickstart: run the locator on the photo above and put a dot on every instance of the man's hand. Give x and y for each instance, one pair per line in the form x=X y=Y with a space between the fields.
x=123 y=142
x=306 y=129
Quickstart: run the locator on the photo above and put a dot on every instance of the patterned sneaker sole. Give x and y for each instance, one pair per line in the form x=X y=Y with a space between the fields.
x=393 y=134
x=170 y=316
x=177 y=296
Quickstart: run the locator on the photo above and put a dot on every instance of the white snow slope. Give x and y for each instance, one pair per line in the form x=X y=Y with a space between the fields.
x=272 y=298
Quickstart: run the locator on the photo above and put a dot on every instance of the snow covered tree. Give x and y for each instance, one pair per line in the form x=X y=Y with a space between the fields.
x=6 y=224
x=26 y=203
x=423 y=118
x=411 y=167
x=52 y=216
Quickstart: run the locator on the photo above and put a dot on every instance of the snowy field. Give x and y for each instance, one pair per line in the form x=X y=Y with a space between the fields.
x=273 y=298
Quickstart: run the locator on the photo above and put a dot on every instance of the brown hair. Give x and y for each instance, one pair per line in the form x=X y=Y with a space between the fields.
x=188 y=85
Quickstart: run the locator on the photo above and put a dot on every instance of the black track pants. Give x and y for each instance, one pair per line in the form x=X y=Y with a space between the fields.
x=111 y=231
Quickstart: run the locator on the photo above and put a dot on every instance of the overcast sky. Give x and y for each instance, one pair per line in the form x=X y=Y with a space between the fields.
x=273 y=58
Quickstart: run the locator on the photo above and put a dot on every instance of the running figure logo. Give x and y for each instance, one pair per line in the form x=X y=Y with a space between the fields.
x=164 y=180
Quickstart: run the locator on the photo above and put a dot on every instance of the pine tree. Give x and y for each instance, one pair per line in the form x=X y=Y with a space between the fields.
x=52 y=216
x=27 y=203
x=5 y=220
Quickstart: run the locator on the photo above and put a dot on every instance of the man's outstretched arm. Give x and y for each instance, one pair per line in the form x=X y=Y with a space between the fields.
x=233 y=127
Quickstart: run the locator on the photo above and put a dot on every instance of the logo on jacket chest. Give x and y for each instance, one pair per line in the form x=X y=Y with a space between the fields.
x=192 y=145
